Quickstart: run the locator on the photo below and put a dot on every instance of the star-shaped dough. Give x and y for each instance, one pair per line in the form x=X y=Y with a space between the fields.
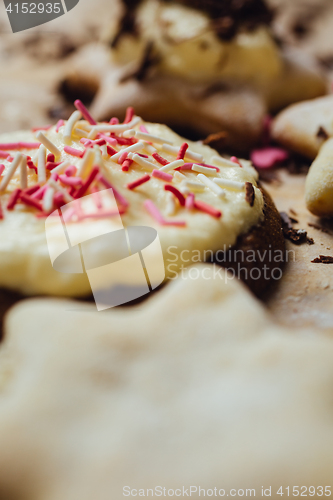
x=195 y=387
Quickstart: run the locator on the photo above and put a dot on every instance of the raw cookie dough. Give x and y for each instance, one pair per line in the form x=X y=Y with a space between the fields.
x=169 y=394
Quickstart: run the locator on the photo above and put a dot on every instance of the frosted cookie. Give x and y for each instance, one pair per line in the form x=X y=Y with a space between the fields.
x=195 y=381
x=198 y=202
x=167 y=56
x=304 y=127
x=319 y=182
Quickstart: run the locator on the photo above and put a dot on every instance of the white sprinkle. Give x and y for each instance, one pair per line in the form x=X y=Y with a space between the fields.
x=189 y=154
x=228 y=183
x=48 y=199
x=149 y=148
x=203 y=170
x=86 y=163
x=142 y=161
x=193 y=186
x=135 y=147
x=152 y=138
x=48 y=144
x=129 y=133
x=117 y=128
x=98 y=156
x=67 y=197
x=172 y=166
x=171 y=205
x=212 y=186
x=24 y=173
x=178 y=176
x=80 y=133
x=60 y=168
x=70 y=124
x=223 y=162
x=92 y=134
x=104 y=151
x=11 y=171
x=41 y=164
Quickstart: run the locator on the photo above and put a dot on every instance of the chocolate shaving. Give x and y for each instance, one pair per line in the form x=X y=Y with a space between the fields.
x=323 y=259
x=296 y=236
x=322 y=134
x=249 y=193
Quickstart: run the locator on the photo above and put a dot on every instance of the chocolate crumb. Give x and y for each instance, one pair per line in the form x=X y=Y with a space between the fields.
x=217 y=140
x=323 y=259
x=319 y=227
x=249 y=193
x=322 y=134
x=296 y=236
x=292 y=211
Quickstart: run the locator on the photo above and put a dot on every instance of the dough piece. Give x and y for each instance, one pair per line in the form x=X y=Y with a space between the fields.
x=90 y=405
x=319 y=182
x=25 y=263
x=304 y=127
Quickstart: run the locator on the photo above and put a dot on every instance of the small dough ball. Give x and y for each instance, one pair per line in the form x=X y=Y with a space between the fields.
x=319 y=182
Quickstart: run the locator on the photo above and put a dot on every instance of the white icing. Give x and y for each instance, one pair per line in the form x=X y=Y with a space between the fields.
x=24 y=256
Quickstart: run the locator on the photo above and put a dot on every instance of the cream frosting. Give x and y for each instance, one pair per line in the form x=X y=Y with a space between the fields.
x=24 y=255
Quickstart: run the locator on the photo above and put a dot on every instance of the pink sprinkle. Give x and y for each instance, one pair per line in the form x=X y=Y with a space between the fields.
x=143 y=129
x=153 y=210
x=119 y=197
x=71 y=181
x=10 y=158
x=46 y=127
x=110 y=140
x=85 y=113
x=10 y=145
x=268 y=157
x=138 y=182
x=13 y=199
x=174 y=222
x=99 y=142
x=1 y=212
x=60 y=123
x=50 y=157
x=204 y=207
x=162 y=175
x=126 y=165
x=51 y=165
x=182 y=151
x=30 y=202
x=186 y=166
x=114 y=121
x=111 y=151
x=122 y=157
x=189 y=202
x=4 y=154
x=84 y=188
x=129 y=114
x=234 y=159
x=71 y=170
x=123 y=141
x=29 y=145
x=142 y=155
x=32 y=166
x=32 y=189
x=86 y=142
x=2 y=168
x=74 y=152
x=38 y=195
x=59 y=199
x=160 y=159
x=176 y=193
